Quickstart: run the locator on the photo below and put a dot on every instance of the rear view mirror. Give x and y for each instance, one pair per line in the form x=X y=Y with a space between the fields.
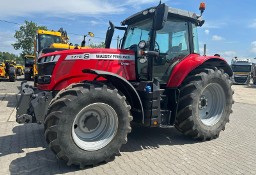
x=109 y=34
x=161 y=15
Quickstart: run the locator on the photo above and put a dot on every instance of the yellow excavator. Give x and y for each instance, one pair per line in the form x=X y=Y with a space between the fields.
x=30 y=67
x=44 y=39
x=56 y=40
x=19 y=69
x=8 y=70
x=50 y=41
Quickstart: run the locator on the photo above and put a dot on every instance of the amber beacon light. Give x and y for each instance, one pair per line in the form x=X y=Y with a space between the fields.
x=202 y=6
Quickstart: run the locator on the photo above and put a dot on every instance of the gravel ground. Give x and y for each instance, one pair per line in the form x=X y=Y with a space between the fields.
x=23 y=149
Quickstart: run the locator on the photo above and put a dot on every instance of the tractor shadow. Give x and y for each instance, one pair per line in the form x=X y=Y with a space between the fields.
x=142 y=138
x=34 y=157
x=9 y=101
x=28 y=152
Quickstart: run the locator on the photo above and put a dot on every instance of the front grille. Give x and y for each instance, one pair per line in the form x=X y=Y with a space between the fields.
x=45 y=71
x=241 y=80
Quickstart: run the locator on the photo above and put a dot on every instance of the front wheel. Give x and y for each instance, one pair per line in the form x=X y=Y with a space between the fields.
x=87 y=124
x=205 y=104
x=12 y=74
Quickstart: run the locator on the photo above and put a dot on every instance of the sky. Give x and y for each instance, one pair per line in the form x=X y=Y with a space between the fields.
x=230 y=27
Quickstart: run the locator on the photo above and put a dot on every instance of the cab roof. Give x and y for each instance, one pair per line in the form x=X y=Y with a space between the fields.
x=172 y=12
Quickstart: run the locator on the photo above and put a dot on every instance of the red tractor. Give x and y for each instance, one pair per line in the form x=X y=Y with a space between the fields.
x=87 y=98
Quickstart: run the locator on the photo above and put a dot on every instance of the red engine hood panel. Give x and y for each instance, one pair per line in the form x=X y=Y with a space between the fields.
x=69 y=67
x=92 y=50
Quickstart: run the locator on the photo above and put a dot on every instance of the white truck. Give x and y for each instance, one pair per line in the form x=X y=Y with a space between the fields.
x=254 y=73
x=242 y=69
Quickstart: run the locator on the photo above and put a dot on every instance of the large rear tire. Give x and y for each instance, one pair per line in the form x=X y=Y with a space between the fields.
x=205 y=104
x=87 y=124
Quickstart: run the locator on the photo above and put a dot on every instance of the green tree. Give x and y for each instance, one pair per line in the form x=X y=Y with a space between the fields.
x=8 y=56
x=25 y=37
x=100 y=45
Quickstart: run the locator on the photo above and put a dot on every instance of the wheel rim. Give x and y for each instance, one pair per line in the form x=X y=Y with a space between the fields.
x=94 y=126
x=212 y=104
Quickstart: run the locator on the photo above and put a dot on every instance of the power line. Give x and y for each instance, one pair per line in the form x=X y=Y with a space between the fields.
x=11 y=22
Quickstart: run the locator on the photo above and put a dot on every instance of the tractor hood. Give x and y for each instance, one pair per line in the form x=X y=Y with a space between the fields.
x=99 y=53
x=59 y=69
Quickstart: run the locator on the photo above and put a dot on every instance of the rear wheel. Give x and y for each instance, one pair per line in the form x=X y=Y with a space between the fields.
x=87 y=124
x=254 y=81
x=12 y=78
x=12 y=74
x=205 y=104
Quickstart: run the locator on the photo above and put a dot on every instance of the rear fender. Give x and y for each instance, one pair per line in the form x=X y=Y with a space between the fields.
x=193 y=61
x=124 y=87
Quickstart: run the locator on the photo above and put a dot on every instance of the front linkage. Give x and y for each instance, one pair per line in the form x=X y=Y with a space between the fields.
x=32 y=104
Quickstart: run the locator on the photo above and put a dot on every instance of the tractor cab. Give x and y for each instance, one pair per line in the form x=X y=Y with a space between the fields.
x=160 y=43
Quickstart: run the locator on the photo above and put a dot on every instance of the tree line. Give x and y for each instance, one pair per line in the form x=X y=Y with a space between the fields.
x=10 y=56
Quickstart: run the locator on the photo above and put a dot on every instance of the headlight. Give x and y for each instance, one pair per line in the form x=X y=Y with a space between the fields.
x=55 y=58
x=48 y=59
x=152 y=10
x=145 y=12
x=142 y=44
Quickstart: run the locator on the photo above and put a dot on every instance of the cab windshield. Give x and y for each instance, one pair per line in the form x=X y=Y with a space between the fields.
x=45 y=41
x=136 y=33
x=241 y=68
x=172 y=43
x=171 y=40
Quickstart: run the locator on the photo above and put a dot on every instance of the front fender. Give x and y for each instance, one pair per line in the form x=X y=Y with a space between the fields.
x=193 y=61
x=124 y=87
